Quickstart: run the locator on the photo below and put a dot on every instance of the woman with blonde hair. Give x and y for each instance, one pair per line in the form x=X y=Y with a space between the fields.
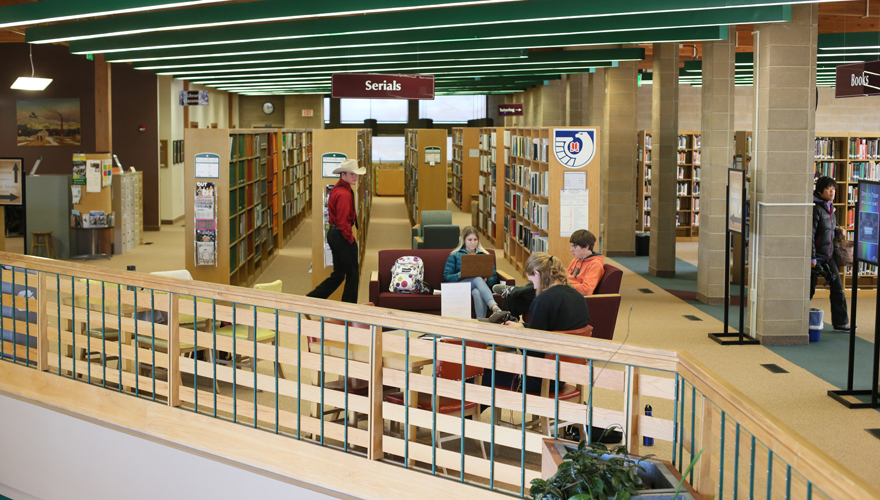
x=557 y=307
x=481 y=289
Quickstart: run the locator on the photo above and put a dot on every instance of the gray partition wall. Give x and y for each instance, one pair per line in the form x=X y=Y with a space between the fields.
x=47 y=208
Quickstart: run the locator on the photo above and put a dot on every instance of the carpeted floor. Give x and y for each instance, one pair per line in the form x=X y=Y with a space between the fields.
x=659 y=319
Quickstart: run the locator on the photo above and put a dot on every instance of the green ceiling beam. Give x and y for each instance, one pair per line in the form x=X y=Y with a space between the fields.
x=848 y=41
x=462 y=39
x=50 y=11
x=480 y=21
x=598 y=56
x=226 y=15
x=285 y=10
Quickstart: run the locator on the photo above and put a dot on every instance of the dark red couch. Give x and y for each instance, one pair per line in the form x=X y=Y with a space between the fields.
x=435 y=261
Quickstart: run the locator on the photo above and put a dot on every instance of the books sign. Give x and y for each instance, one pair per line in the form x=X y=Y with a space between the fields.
x=193 y=98
x=859 y=79
x=382 y=86
x=512 y=109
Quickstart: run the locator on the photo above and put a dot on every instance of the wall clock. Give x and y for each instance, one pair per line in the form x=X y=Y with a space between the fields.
x=268 y=108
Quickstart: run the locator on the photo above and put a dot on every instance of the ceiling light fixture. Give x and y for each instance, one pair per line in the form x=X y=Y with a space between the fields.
x=31 y=82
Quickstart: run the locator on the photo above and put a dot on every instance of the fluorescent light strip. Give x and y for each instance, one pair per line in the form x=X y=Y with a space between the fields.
x=854 y=47
x=334 y=65
x=267 y=20
x=845 y=54
x=167 y=5
x=373 y=32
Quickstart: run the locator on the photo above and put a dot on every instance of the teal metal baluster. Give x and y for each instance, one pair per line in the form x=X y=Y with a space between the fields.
x=809 y=490
x=153 y=338
x=522 y=453
x=434 y=412
x=463 y=381
x=693 y=426
x=721 y=459
x=103 y=337
x=492 y=429
x=254 y=366
x=345 y=392
x=555 y=402
x=681 y=425
x=628 y=397
x=214 y=351
x=88 y=327
x=406 y=402
x=277 y=343
x=137 y=365
x=321 y=379
x=14 y=326
x=589 y=430
x=752 y=470
x=736 y=463
x=298 y=375
x=675 y=424
x=234 y=366
x=119 y=333
x=73 y=327
x=58 y=308
x=195 y=328
x=769 y=474
x=27 y=325
x=787 y=482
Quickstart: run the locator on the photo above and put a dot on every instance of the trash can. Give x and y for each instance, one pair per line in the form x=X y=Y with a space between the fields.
x=816 y=323
x=643 y=243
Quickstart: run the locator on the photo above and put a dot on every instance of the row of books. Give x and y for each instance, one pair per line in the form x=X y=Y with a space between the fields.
x=687 y=219
x=681 y=189
x=294 y=140
x=825 y=148
x=826 y=168
x=530 y=148
x=864 y=149
x=869 y=170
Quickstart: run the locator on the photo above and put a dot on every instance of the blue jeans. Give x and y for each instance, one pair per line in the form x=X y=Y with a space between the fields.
x=483 y=298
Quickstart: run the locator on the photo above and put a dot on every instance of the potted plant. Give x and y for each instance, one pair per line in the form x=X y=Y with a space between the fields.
x=587 y=472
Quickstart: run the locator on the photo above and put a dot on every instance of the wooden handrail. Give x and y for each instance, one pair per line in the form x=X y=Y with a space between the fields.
x=804 y=457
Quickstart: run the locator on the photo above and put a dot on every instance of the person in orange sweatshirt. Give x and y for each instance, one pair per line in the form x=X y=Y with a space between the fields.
x=584 y=273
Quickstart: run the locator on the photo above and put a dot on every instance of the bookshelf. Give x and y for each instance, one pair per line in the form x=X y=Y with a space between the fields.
x=465 y=166
x=329 y=147
x=425 y=171
x=533 y=210
x=243 y=206
x=293 y=193
x=494 y=146
x=848 y=158
x=687 y=221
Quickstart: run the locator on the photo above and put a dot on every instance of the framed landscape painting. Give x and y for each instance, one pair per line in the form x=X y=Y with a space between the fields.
x=48 y=122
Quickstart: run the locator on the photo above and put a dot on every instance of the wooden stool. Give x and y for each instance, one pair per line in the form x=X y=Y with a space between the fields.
x=43 y=239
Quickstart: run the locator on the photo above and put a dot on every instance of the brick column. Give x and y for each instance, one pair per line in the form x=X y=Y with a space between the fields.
x=783 y=173
x=717 y=129
x=664 y=130
x=618 y=207
x=594 y=113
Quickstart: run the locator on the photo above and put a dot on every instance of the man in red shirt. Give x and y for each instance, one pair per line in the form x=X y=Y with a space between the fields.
x=341 y=210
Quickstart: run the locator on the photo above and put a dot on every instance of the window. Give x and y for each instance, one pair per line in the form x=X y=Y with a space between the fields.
x=326 y=110
x=454 y=108
x=388 y=149
x=382 y=110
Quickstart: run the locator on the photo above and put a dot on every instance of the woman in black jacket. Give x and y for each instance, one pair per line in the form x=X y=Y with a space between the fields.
x=822 y=263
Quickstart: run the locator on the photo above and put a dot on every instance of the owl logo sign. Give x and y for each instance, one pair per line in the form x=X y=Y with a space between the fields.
x=574 y=148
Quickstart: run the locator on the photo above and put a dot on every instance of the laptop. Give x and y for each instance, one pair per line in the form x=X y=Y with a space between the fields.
x=473 y=266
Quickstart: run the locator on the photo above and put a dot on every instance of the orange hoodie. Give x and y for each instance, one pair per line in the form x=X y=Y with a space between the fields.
x=585 y=274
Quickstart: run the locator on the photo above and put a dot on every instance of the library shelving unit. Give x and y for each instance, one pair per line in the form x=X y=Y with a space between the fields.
x=243 y=205
x=465 y=166
x=687 y=218
x=848 y=158
x=494 y=144
x=533 y=206
x=329 y=147
x=294 y=190
x=425 y=171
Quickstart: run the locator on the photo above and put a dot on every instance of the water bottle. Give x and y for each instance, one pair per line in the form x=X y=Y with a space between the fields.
x=648 y=441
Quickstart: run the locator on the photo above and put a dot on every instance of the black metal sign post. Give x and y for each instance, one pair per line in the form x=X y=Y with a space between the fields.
x=869 y=191
x=736 y=214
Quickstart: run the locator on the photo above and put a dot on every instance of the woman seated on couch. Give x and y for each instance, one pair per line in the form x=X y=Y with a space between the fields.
x=481 y=289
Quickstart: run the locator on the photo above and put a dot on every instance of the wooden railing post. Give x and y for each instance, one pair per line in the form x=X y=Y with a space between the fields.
x=42 y=324
x=174 y=351
x=703 y=481
x=633 y=410
x=376 y=424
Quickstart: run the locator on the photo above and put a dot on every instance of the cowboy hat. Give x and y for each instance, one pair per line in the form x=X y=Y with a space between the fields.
x=350 y=166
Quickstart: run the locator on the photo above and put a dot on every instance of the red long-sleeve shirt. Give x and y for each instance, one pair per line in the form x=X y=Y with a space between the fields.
x=341 y=209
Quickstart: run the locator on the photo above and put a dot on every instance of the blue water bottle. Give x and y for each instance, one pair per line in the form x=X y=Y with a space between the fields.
x=648 y=441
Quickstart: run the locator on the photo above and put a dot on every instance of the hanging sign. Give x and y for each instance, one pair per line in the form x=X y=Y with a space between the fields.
x=382 y=86
x=513 y=109
x=193 y=98
x=207 y=165
x=330 y=162
x=859 y=79
x=432 y=155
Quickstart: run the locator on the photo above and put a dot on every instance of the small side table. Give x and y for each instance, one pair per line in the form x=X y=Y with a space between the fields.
x=93 y=245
